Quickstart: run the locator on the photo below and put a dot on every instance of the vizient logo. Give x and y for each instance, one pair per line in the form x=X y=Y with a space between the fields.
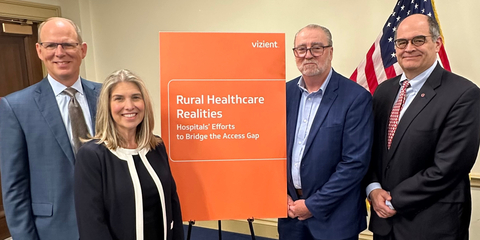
x=263 y=44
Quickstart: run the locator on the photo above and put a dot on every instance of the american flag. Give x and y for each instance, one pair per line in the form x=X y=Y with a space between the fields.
x=380 y=63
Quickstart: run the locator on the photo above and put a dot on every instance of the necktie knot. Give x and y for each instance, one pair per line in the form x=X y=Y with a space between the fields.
x=70 y=91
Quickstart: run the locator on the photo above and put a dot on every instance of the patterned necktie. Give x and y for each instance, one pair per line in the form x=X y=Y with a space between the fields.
x=77 y=120
x=395 y=114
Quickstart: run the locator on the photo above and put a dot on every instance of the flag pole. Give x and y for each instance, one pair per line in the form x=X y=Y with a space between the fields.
x=442 y=53
x=438 y=20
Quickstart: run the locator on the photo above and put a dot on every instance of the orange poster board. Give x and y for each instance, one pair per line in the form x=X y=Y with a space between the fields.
x=223 y=122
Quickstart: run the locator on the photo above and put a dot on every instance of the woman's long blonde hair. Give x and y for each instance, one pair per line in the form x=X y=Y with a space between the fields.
x=105 y=129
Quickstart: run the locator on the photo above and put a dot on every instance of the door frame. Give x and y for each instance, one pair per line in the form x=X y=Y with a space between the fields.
x=28 y=10
x=37 y=12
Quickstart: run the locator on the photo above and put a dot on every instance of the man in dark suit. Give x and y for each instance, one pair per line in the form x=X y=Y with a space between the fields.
x=329 y=138
x=36 y=154
x=418 y=180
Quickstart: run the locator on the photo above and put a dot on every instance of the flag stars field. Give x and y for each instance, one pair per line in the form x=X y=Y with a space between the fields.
x=380 y=62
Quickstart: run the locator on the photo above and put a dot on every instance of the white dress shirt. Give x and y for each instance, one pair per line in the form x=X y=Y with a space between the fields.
x=63 y=99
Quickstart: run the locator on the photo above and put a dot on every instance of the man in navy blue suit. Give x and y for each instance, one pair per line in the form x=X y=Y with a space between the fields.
x=329 y=138
x=36 y=154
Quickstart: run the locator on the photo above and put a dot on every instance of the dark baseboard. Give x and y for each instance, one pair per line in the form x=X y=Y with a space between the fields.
x=200 y=233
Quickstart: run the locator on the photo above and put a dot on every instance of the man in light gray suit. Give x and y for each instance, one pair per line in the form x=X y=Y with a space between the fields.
x=36 y=154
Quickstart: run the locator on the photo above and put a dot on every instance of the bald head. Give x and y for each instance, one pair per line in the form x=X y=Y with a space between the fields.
x=417 y=56
x=59 y=21
x=61 y=49
x=433 y=27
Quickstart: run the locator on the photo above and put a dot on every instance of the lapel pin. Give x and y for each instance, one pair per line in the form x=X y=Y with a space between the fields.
x=422 y=95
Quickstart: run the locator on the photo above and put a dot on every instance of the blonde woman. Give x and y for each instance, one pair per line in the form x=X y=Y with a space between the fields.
x=123 y=185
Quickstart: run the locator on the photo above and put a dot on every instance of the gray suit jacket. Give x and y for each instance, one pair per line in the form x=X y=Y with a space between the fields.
x=37 y=163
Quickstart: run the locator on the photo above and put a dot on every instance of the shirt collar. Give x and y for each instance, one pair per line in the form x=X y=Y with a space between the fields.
x=301 y=83
x=58 y=87
x=417 y=82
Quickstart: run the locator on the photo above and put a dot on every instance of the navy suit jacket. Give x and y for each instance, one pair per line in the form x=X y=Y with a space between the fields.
x=335 y=159
x=37 y=163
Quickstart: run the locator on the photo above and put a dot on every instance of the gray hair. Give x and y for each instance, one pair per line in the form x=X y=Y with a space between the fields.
x=433 y=27
x=316 y=26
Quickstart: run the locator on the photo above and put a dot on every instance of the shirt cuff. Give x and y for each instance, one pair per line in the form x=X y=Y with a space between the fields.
x=389 y=204
x=372 y=186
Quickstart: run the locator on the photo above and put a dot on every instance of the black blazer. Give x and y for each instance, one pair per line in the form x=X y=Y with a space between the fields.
x=104 y=194
x=433 y=149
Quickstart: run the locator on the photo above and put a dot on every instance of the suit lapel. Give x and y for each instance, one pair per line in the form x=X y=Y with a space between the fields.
x=327 y=101
x=386 y=105
x=292 y=106
x=47 y=105
x=91 y=93
x=423 y=97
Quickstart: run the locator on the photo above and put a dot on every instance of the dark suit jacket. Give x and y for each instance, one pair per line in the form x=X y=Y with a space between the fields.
x=105 y=199
x=335 y=159
x=433 y=149
x=37 y=163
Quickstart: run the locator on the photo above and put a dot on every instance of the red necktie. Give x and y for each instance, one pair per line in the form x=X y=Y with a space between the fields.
x=395 y=114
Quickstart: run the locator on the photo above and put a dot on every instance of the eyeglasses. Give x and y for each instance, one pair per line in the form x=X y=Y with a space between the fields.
x=416 y=41
x=316 y=51
x=52 y=46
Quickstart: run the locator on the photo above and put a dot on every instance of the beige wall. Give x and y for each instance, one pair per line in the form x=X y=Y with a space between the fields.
x=124 y=34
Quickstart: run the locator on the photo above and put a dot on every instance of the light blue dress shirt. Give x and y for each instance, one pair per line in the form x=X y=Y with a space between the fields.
x=415 y=85
x=307 y=110
x=63 y=99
